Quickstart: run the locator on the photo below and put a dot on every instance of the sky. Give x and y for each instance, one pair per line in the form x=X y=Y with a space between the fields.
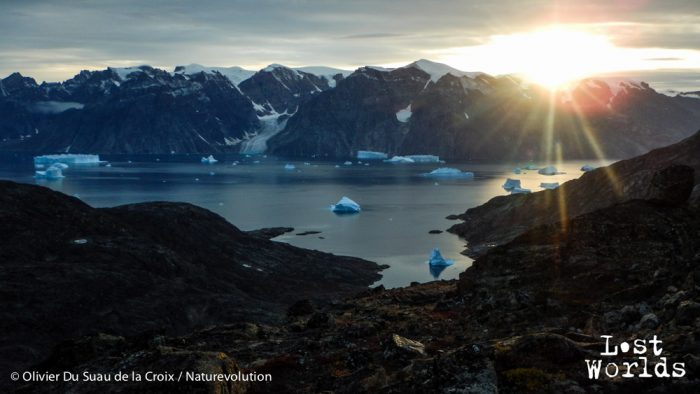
x=53 y=40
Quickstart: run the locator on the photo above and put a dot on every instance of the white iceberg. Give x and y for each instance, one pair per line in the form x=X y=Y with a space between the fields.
x=587 y=167
x=425 y=158
x=447 y=172
x=511 y=184
x=371 y=155
x=67 y=159
x=289 y=167
x=52 y=173
x=518 y=190
x=400 y=160
x=549 y=170
x=346 y=205
x=549 y=185
x=209 y=160
x=437 y=259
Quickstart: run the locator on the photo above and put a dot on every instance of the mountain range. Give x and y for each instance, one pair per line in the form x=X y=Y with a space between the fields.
x=421 y=108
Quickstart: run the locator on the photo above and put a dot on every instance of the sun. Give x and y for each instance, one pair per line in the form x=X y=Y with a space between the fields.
x=551 y=57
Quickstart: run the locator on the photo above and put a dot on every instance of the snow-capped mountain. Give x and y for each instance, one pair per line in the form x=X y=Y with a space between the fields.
x=423 y=107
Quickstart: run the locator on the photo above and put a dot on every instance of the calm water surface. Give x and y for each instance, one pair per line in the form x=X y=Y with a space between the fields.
x=399 y=205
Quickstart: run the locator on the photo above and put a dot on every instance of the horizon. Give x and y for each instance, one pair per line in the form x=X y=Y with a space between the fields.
x=551 y=42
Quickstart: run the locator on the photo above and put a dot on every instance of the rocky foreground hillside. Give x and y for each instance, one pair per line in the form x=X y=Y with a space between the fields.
x=524 y=318
x=421 y=108
x=68 y=270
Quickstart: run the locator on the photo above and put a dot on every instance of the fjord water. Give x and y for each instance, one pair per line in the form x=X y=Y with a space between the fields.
x=399 y=205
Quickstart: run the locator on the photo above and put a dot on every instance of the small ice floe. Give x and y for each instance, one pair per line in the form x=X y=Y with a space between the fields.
x=366 y=164
x=549 y=170
x=52 y=173
x=516 y=170
x=511 y=184
x=530 y=167
x=212 y=173
x=399 y=160
x=289 y=167
x=347 y=163
x=447 y=172
x=80 y=241
x=519 y=190
x=346 y=205
x=337 y=166
x=436 y=259
x=549 y=185
x=209 y=160
x=108 y=165
x=587 y=167
x=371 y=155
x=306 y=163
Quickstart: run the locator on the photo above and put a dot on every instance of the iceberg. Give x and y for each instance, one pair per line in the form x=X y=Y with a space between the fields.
x=549 y=170
x=289 y=167
x=511 y=184
x=447 y=172
x=550 y=186
x=66 y=159
x=371 y=155
x=437 y=259
x=209 y=160
x=425 y=158
x=399 y=160
x=52 y=173
x=587 y=167
x=347 y=163
x=346 y=205
x=518 y=190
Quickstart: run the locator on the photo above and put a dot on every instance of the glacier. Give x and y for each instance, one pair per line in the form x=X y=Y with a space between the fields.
x=437 y=259
x=346 y=205
x=371 y=155
x=447 y=172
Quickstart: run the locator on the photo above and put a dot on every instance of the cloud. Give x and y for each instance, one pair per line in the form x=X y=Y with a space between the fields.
x=53 y=39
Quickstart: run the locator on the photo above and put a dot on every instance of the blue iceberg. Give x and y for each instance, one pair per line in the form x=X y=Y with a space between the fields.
x=549 y=170
x=549 y=185
x=346 y=205
x=66 y=159
x=209 y=160
x=511 y=184
x=436 y=259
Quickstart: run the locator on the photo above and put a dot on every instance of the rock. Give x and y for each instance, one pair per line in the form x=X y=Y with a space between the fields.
x=301 y=308
x=671 y=185
x=320 y=320
x=649 y=321
x=308 y=233
x=405 y=346
x=270 y=232
x=687 y=312
x=629 y=314
x=435 y=232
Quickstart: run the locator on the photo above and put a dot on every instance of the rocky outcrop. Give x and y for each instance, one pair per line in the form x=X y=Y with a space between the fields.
x=67 y=269
x=663 y=174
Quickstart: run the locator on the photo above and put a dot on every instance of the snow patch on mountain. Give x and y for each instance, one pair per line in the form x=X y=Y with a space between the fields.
x=235 y=74
x=403 y=115
x=438 y=70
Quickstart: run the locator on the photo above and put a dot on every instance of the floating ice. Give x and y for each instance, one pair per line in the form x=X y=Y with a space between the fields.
x=68 y=159
x=289 y=167
x=347 y=163
x=346 y=205
x=550 y=186
x=51 y=173
x=399 y=160
x=447 y=172
x=518 y=190
x=437 y=259
x=587 y=167
x=371 y=155
x=549 y=170
x=516 y=170
x=209 y=160
x=511 y=184
x=425 y=158
x=530 y=167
